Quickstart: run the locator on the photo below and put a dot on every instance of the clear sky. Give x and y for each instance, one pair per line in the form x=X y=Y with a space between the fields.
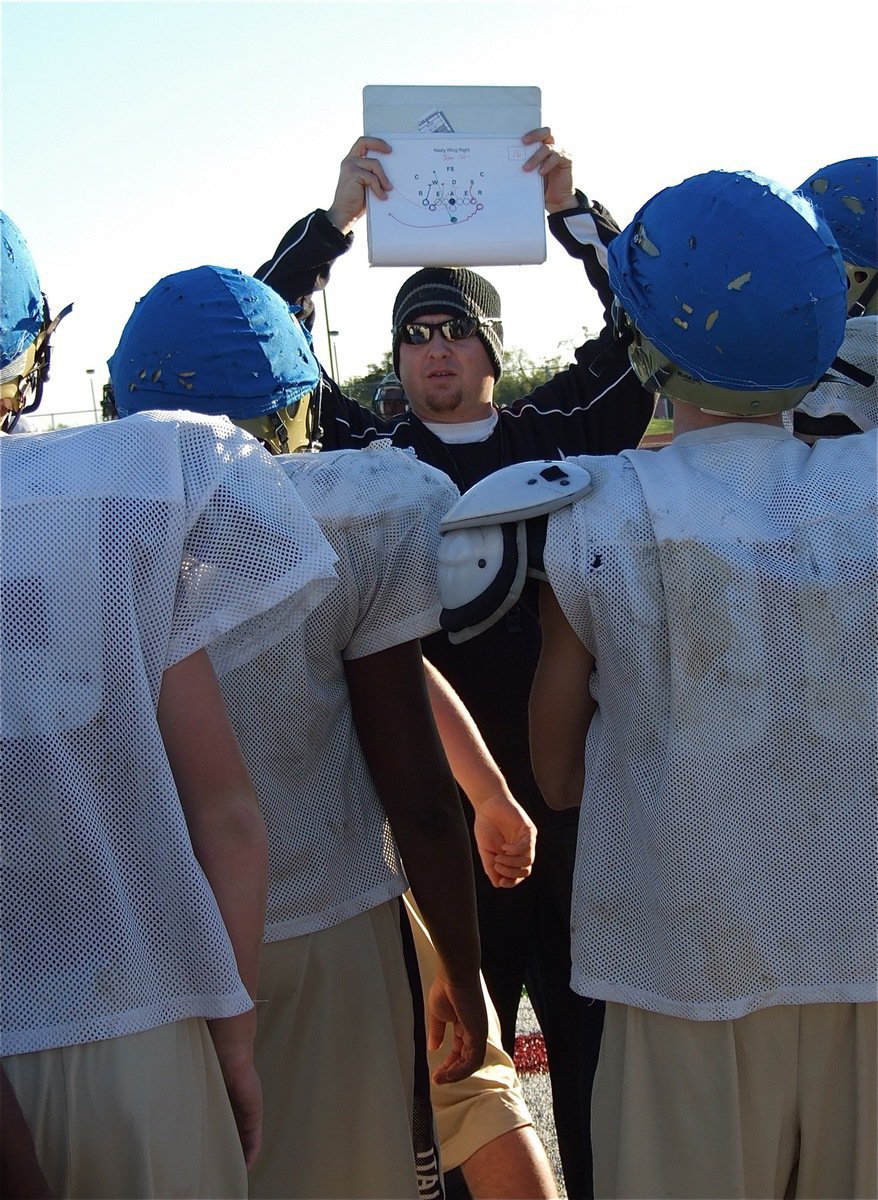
x=140 y=137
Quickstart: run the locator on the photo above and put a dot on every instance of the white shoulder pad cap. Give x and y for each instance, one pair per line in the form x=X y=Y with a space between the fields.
x=483 y=551
x=517 y=492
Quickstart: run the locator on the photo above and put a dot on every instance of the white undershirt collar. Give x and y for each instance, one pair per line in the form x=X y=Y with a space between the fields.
x=464 y=431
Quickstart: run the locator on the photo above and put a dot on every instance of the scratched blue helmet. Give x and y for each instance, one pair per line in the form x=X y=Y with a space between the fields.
x=844 y=193
x=25 y=327
x=215 y=341
x=733 y=291
x=22 y=312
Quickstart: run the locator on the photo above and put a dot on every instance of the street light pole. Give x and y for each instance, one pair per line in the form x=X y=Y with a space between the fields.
x=331 y=334
x=90 y=371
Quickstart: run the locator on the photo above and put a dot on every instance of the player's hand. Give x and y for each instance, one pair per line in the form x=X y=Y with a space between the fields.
x=556 y=168
x=245 y=1093
x=459 y=1012
x=359 y=173
x=506 y=839
x=233 y=1040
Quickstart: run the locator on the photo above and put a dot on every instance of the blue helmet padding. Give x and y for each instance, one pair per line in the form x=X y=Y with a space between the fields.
x=844 y=193
x=22 y=311
x=215 y=341
x=736 y=279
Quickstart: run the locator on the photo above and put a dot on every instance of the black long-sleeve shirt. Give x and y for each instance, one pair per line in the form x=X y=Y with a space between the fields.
x=595 y=406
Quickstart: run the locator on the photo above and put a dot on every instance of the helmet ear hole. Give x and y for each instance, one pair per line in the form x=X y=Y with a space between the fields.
x=862 y=291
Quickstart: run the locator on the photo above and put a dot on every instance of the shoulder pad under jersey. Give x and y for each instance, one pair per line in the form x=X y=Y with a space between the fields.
x=493 y=538
x=518 y=492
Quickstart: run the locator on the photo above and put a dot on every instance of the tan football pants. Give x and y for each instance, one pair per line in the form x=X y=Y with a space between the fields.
x=144 y=1115
x=779 y=1103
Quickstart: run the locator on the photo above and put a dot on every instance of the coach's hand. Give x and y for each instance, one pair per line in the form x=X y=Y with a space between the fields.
x=360 y=172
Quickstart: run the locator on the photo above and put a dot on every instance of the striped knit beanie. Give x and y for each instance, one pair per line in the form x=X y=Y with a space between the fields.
x=454 y=290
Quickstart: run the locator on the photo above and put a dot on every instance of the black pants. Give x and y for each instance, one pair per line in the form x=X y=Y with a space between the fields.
x=525 y=935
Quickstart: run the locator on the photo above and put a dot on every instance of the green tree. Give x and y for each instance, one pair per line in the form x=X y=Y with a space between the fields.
x=362 y=387
x=521 y=374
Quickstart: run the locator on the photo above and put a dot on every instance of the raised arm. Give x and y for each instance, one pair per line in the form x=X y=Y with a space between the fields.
x=304 y=256
x=561 y=708
x=301 y=265
x=361 y=172
x=556 y=168
x=582 y=226
x=604 y=406
x=505 y=834
x=411 y=773
x=229 y=841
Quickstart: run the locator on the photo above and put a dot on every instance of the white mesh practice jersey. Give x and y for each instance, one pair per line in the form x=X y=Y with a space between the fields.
x=126 y=547
x=846 y=397
x=726 y=586
x=331 y=853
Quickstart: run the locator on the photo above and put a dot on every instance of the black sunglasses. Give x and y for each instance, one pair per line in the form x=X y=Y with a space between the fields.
x=458 y=329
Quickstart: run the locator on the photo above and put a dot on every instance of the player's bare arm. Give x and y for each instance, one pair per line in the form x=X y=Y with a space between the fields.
x=504 y=833
x=229 y=840
x=388 y=691
x=561 y=707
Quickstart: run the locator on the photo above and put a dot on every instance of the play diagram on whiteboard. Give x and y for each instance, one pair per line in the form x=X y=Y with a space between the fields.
x=457 y=201
x=446 y=199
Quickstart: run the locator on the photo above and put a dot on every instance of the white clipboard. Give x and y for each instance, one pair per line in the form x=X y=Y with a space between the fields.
x=457 y=201
x=413 y=108
x=460 y=196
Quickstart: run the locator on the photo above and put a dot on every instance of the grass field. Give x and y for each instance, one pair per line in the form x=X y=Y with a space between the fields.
x=658 y=433
x=660 y=425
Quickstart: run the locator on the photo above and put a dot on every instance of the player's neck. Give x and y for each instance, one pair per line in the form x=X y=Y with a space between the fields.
x=688 y=418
